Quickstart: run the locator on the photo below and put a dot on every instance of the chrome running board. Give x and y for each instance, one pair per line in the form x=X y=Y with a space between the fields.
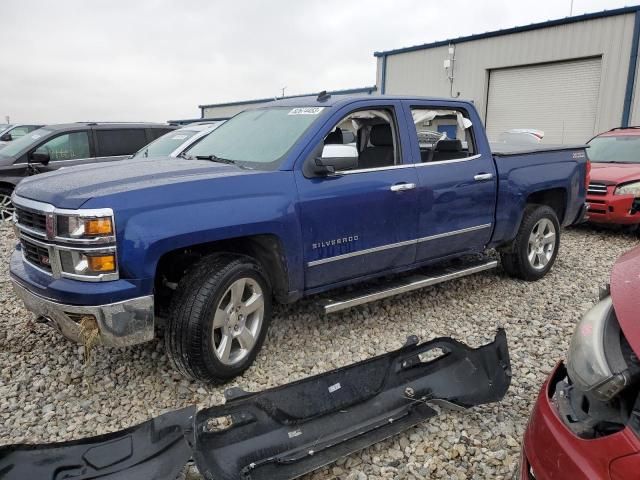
x=403 y=285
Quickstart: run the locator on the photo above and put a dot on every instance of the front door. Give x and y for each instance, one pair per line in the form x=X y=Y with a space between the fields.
x=363 y=220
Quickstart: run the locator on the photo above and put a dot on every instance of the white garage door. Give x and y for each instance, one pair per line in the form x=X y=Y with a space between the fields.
x=560 y=99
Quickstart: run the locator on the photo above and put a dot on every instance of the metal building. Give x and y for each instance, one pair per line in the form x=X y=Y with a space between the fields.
x=571 y=78
x=222 y=111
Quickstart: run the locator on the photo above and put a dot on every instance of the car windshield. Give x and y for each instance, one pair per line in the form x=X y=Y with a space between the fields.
x=257 y=138
x=615 y=149
x=17 y=146
x=166 y=144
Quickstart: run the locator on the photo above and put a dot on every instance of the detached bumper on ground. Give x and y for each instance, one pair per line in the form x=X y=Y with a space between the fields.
x=287 y=431
x=121 y=324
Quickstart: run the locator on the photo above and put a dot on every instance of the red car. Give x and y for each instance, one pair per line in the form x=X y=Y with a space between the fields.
x=586 y=421
x=614 y=191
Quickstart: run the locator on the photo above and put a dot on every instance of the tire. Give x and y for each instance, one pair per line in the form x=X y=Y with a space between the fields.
x=6 y=207
x=536 y=245
x=213 y=302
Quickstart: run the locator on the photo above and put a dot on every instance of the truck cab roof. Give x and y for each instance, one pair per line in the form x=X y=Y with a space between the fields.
x=340 y=100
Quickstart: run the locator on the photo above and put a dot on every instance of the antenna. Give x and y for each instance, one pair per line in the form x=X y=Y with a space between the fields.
x=283 y=89
x=571 y=9
x=323 y=96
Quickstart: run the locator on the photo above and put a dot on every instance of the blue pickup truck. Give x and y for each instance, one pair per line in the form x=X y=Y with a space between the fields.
x=292 y=199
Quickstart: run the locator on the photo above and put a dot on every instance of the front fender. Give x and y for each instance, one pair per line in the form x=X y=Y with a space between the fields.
x=205 y=212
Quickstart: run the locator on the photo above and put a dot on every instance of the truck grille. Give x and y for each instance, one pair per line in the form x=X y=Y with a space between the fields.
x=36 y=254
x=32 y=220
x=597 y=189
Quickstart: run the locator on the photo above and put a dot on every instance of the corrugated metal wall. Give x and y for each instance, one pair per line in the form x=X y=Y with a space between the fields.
x=421 y=72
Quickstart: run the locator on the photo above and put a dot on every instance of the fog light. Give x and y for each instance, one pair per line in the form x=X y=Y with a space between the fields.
x=102 y=263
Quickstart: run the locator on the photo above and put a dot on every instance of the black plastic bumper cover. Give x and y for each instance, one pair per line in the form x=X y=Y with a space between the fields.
x=286 y=431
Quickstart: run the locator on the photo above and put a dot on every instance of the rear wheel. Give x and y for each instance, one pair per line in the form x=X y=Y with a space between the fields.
x=6 y=207
x=535 y=247
x=219 y=318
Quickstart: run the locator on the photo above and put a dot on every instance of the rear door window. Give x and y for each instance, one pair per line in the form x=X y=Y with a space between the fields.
x=68 y=146
x=122 y=141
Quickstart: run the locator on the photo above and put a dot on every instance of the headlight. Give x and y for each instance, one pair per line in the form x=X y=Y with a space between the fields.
x=595 y=362
x=628 y=189
x=89 y=263
x=81 y=227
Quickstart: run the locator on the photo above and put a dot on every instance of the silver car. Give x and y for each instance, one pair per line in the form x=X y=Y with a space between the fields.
x=174 y=143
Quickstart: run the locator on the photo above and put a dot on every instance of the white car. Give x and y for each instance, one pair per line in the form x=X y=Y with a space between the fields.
x=175 y=142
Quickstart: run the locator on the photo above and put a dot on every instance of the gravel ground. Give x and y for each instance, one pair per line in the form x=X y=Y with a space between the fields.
x=47 y=393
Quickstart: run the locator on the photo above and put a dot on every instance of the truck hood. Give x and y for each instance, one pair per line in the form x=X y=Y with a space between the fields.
x=625 y=285
x=614 y=173
x=72 y=187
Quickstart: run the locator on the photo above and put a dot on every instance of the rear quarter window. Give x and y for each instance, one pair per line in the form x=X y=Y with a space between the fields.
x=124 y=141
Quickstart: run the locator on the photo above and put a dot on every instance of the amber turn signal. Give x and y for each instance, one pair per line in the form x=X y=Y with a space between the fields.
x=98 y=226
x=102 y=263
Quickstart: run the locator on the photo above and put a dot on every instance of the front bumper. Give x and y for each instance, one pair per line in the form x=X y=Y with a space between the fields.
x=121 y=324
x=552 y=451
x=612 y=209
x=286 y=431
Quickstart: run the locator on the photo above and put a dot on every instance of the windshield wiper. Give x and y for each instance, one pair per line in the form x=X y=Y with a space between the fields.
x=228 y=161
x=214 y=158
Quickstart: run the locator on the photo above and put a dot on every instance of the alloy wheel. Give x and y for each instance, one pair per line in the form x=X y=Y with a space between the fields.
x=237 y=321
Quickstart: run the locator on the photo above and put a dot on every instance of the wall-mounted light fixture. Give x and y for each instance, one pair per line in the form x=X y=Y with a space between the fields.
x=449 y=67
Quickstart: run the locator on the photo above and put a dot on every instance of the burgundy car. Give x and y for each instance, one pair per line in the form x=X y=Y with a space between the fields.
x=586 y=422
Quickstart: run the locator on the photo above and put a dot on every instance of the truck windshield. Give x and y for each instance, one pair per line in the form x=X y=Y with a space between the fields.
x=257 y=138
x=166 y=144
x=615 y=149
x=20 y=144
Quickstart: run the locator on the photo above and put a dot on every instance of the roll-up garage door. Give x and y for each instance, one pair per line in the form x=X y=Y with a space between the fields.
x=560 y=99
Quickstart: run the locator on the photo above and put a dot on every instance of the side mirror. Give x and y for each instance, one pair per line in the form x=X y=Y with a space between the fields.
x=335 y=158
x=6 y=137
x=40 y=157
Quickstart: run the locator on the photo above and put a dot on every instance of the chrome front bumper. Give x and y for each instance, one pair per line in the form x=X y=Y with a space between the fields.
x=121 y=324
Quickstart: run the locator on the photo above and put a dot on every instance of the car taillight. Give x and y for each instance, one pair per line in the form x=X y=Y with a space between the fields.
x=587 y=177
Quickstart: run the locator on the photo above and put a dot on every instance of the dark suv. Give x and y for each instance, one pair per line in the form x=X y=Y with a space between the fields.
x=55 y=146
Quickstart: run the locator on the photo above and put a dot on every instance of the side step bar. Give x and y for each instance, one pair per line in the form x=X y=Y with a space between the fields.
x=406 y=284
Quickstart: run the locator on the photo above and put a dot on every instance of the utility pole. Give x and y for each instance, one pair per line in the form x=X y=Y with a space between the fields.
x=7 y=118
x=283 y=89
x=571 y=9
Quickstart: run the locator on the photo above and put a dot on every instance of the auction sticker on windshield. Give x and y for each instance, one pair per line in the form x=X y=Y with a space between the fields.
x=306 y=111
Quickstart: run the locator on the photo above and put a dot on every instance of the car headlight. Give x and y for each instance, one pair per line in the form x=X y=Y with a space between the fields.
x=628 y=189
x=84 y=227
x=89 y=263
x=596 y=363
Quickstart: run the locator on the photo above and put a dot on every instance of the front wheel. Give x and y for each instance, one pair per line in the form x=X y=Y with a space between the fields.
x=219 y=318
x=536 y=245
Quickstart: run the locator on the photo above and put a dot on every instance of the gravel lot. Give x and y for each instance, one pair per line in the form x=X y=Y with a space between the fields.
x=47 y=393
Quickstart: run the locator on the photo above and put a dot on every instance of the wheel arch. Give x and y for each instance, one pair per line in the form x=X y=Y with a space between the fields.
x=266 y=249
x=555 y=198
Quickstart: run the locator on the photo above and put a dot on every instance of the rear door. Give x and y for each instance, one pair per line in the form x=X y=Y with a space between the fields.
x=361 y=221
x=456 y=180
x=118 y=143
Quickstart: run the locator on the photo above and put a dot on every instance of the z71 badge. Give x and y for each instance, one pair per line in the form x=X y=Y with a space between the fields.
x=335 y=241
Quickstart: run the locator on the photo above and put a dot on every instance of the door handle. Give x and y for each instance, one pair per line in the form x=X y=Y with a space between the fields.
x=401 y=187
x=481 y=177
